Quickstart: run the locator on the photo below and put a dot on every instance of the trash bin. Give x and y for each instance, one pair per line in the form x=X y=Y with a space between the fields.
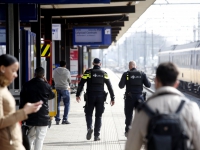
x=52 y=107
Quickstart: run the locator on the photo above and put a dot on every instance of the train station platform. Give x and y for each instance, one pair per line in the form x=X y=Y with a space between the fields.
x=73 y=136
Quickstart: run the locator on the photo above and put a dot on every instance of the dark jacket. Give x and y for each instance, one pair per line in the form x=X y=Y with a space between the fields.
x=33 y=91
x=94 y=88
x=134 y=89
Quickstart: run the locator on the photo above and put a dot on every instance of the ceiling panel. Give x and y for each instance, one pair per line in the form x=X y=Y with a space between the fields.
x=140 y=8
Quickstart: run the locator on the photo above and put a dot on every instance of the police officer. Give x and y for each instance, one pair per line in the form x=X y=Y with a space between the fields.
x=134 y=80
x=96 y=96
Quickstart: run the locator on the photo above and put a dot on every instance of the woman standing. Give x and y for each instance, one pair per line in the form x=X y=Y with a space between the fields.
x=10 y=129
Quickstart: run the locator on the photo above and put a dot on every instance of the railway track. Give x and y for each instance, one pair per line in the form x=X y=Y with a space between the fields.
x=152 y=90
x=191 y=96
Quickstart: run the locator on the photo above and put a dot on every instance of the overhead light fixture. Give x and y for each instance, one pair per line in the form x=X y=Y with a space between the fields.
x=137 y=2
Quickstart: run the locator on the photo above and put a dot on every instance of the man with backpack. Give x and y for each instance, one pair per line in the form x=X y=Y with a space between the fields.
x=168 y=120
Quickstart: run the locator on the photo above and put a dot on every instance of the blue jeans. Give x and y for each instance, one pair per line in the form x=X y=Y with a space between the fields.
x=66 y=101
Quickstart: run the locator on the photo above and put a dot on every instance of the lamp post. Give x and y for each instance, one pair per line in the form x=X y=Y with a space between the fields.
x=105 y=60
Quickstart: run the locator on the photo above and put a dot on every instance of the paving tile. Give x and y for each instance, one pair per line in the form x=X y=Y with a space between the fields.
x=73 y=136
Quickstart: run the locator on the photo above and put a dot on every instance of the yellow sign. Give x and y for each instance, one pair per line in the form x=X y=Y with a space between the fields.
x=53 y=105
x=45 y=50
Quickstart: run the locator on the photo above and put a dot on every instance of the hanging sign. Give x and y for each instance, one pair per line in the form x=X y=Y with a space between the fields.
x=56 y=32
x=74 y=62
x=95 y=36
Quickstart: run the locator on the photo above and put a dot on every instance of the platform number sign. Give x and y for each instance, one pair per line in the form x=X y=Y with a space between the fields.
x=107 y=31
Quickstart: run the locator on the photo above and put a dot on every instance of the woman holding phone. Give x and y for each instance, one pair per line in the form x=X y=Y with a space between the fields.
x=10 y=129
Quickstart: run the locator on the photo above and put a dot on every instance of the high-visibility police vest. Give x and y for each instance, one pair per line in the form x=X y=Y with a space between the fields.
x=95 y=82
x=97 y=77
x=134 y=78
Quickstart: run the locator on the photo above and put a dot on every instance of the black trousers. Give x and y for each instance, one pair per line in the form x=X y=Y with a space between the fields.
x=95 y=100
x=130 y=102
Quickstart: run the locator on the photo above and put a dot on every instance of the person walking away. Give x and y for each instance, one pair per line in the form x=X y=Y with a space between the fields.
x=134 y=81
x=166 y=100
x=62 y=79
x=32 y=91
x=95 y=97
x=10 y=128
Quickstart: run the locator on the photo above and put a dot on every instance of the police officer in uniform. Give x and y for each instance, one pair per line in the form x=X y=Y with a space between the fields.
x=96 y=96
x=134 y=80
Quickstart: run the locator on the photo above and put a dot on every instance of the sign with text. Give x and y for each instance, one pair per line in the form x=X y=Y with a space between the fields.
x=74 y=62
x=92 y=35
x=88 y=35
x=2 y=36
x=56 y=1
x=56 y=32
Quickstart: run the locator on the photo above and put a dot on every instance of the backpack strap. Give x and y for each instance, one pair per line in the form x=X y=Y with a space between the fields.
x=180 y=107
x=148 y=110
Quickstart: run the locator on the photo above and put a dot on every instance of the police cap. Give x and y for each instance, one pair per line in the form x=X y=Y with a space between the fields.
x=96 y=60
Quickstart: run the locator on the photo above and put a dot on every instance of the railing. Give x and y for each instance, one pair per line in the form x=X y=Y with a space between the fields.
x=74 y=83
x=149 y=90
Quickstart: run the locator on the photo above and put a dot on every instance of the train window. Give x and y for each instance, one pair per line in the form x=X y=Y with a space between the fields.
x=197 y=60
x=191 y=60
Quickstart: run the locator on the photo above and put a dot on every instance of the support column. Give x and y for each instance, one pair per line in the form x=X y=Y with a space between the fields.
x=48 y=36
x=57 y=52
x=145 y=51
x=16 y=42
x=10 y=29
x=63 y=43
x=10 y=32
x=36 y=28
x=89 y=57
x=68 y=45
x=102 y=58
x=80 y=60
x=38 y=39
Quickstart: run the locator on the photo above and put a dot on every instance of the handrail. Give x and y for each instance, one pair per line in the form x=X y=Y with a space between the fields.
x=148 y=89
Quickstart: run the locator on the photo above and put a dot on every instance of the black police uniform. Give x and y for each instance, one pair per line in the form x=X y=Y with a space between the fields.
x=134 y=81
x=96 y=96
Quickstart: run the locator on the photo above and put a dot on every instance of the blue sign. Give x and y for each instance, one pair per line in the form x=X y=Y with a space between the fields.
x=2 y=36
x=27 y=12
x=95 y=36
x=56 y=1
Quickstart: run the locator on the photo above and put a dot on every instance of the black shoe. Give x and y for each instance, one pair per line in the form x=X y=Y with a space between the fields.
x=89 y=134
x=57 y=122
x=65 y=122
x=96 y=138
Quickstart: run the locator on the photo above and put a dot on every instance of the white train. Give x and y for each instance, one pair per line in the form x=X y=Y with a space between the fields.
x=187 y=58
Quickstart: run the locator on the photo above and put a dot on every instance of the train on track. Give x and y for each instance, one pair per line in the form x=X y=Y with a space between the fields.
x=187 y=58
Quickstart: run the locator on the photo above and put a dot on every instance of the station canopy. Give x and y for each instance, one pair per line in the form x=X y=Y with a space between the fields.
x=119 y=14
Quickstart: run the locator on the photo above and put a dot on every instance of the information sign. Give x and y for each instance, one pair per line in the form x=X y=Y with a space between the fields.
x=95 y=36
x=2 y=36
x=89 y=35
x=56 y=32
x=74 y=62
